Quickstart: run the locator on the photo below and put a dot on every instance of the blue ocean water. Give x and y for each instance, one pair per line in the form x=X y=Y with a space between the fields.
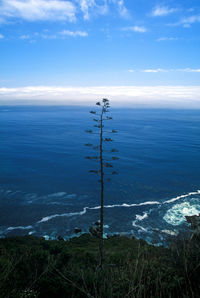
x=46 y=188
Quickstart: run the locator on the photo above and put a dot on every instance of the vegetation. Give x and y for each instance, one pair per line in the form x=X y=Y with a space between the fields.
x=103 y=161
x=34 y=267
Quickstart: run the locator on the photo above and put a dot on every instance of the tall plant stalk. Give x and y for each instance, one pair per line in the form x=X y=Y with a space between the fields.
x=100 y=119
x=102 y=192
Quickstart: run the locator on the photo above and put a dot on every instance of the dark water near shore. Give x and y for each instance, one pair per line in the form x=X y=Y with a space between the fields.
x=46 y=190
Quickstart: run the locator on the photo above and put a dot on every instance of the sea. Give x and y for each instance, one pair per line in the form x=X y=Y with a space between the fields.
x=47 y=189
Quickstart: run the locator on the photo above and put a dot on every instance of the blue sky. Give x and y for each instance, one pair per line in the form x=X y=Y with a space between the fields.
x=62 y=48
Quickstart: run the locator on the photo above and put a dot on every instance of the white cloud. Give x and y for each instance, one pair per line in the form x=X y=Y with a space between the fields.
x=58 y=10
x=160 y=11
x=25 y=36
x=139 y=29
x=1 y=36
x=92 y=7
x=142 y=96
x=85 y=6
x=155 y=70
x=73 y=33
x=131 y=70
x=47 y=36
x=122 y=9
x=38 y=10
x=167 y=38
x=120 y=6
x=57 y=35
x=186 y=22
x=190 y=70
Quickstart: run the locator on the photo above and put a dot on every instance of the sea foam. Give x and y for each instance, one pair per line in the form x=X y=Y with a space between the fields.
x=141 y=217
x=182 y=196
x=19 y=228
x=176 y=215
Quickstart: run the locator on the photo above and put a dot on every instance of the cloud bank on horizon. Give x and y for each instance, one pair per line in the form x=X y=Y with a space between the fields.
x=124 y=96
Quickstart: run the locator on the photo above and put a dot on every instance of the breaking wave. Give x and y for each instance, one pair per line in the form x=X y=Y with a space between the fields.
x=151 y=218
x=47 y=218
x=141 y=217
x=176 y=215
x=19 y=228
x=182 y=196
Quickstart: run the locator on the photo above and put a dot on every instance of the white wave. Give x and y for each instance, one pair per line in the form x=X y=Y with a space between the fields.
x=94 y=208
x=149 y=203
x=46 y=237
x=140 y=228
x=31 y=233
x=170 y=232
x=141 y=217
x=9 y=192
x=129 y=205
x=47 y=218
x=71 y=196
x=176 y=215
x=32 y=197
x=182 y=196
x=19 y=228
x=56 y=195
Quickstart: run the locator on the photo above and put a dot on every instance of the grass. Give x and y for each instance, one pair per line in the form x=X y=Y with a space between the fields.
x=34 y=267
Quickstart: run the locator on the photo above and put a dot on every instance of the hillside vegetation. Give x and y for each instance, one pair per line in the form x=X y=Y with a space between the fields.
x=34 y=267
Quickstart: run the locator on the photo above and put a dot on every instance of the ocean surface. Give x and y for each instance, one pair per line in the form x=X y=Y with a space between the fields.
x=46 y=188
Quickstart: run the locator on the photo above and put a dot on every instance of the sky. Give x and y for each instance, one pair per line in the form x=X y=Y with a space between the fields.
x=135 y=52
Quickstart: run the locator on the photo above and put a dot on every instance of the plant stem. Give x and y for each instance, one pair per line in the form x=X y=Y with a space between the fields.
x=102 y=192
